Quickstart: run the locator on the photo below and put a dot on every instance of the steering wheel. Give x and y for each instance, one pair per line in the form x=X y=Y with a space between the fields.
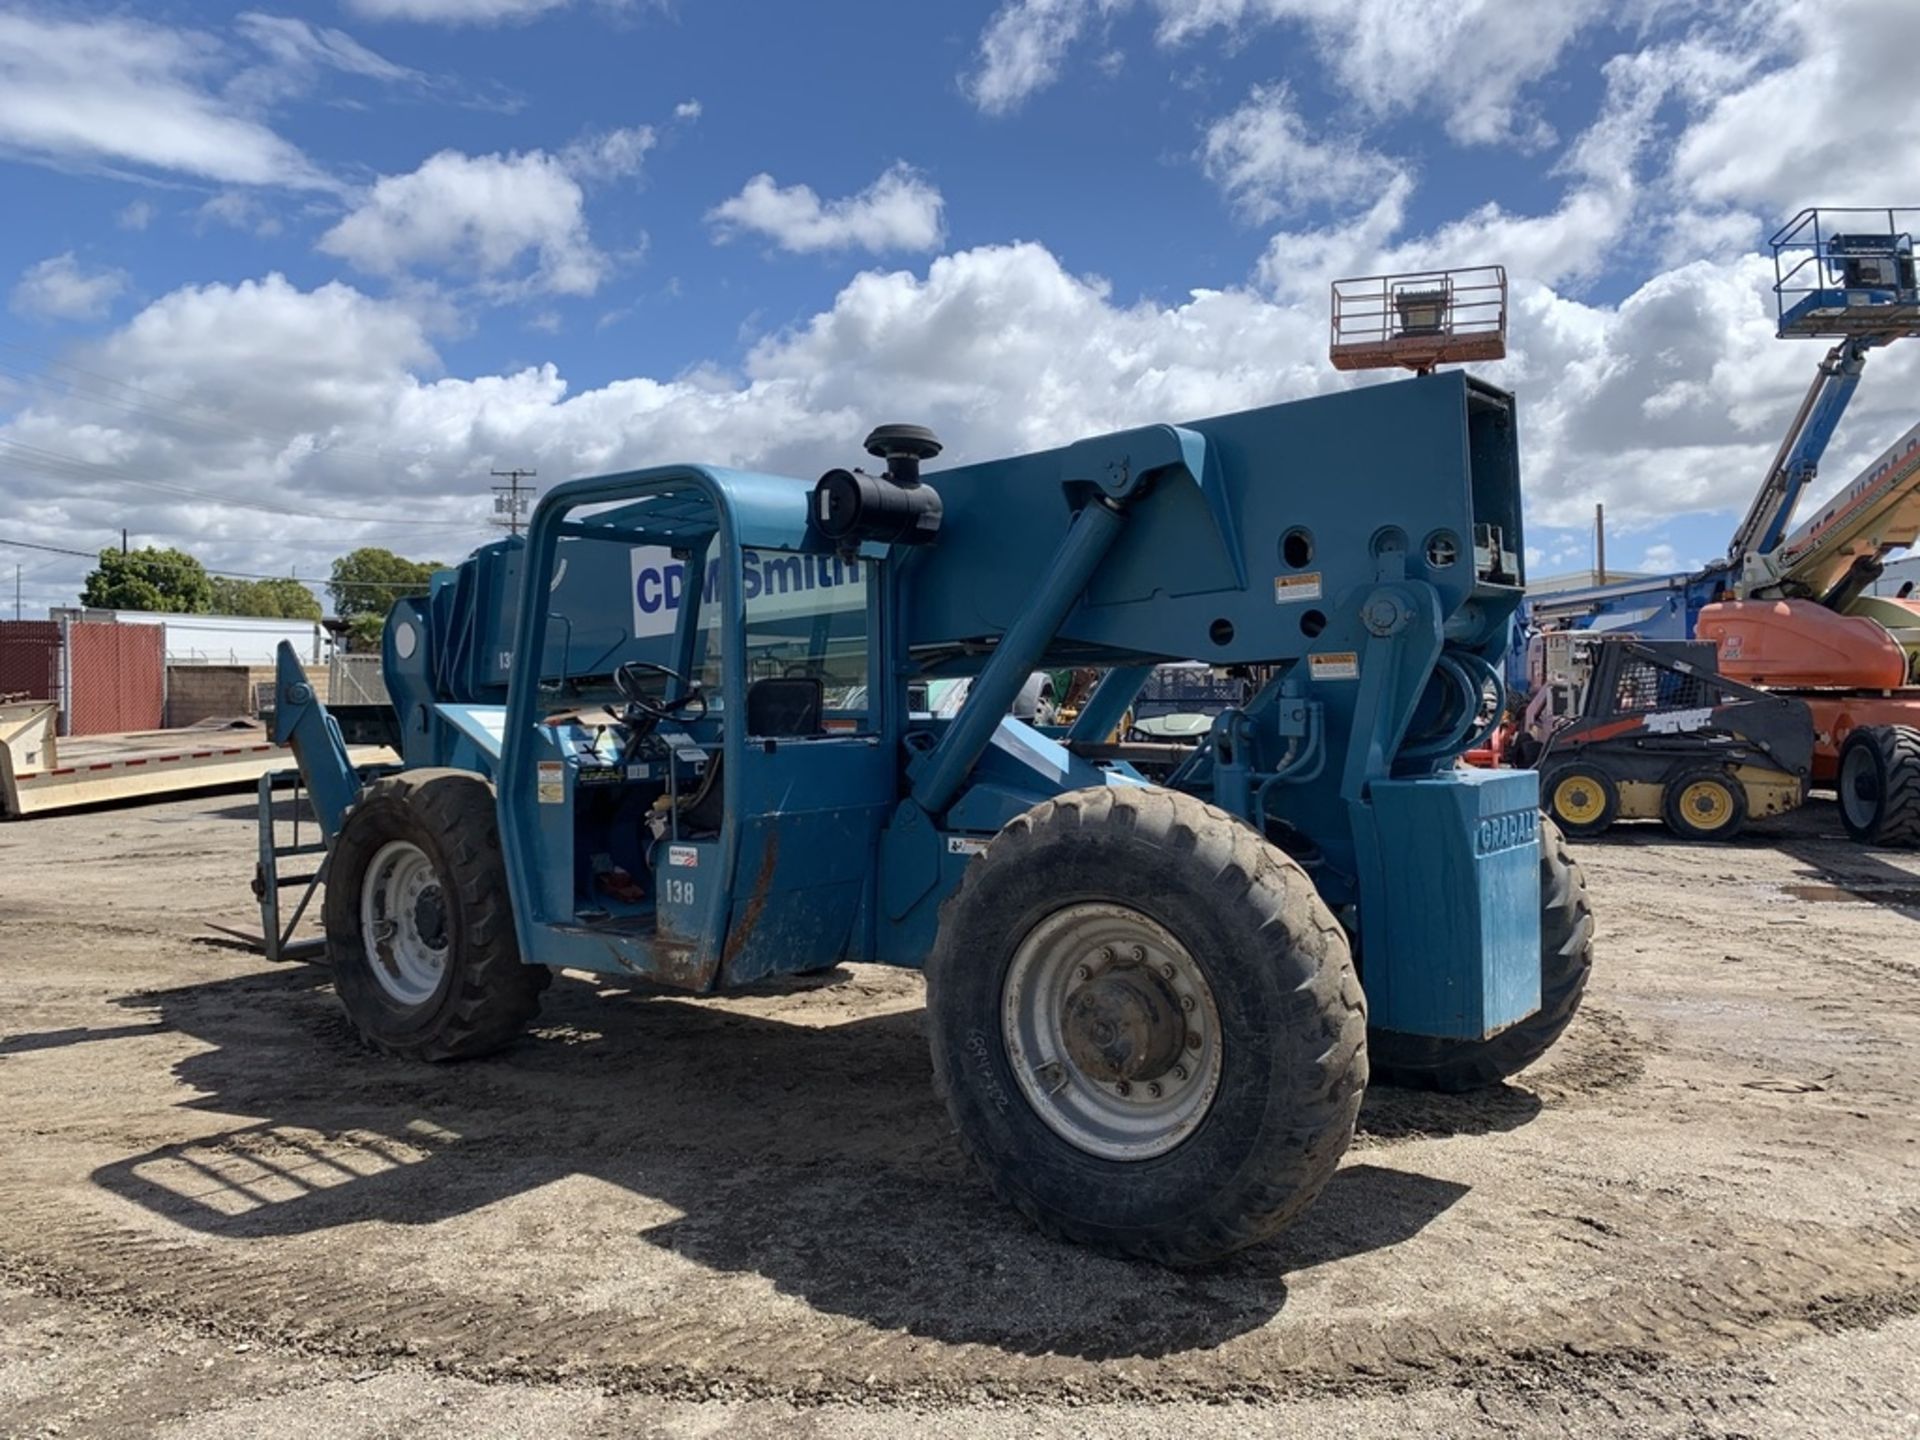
x=643 y=711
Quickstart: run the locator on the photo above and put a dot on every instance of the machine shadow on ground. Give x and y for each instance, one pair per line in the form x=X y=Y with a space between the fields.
x=813 y=1154
x=1847 y=872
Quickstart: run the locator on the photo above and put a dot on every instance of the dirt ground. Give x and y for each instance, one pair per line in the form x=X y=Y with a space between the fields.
x=1700 y=1216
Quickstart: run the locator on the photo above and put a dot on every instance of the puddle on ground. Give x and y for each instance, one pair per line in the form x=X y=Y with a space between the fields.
x=1866 y=892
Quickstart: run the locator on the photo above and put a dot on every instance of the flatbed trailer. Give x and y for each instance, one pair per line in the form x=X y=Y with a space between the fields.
x=42 y=771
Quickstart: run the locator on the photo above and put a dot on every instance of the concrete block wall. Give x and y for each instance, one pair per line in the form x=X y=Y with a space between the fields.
x=201 y=692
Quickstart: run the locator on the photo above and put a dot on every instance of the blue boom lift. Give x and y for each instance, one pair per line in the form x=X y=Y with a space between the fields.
x=672 y=734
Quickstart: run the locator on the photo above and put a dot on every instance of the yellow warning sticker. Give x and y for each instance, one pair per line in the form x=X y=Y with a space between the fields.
x=553 y=782
x=1335 y=665
x=1288 y=588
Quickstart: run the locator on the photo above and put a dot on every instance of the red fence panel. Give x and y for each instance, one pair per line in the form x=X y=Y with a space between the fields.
x=118 y=675
x=30 y=659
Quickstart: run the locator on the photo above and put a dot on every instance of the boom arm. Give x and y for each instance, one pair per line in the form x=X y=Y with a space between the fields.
x=1798 y=460
x=1838 y=550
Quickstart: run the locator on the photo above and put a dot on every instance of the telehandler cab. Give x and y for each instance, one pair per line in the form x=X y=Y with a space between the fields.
x=669 y=736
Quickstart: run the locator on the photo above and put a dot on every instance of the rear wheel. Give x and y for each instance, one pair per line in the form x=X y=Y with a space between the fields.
x=1704 y=803
x=1581 y=798
x=1146 y=1025
x=419 y=930
x=1879 y=785
x=1566 y=960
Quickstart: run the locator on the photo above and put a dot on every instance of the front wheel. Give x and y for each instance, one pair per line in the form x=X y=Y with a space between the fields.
x=1581 y=798
x=1566 y=959
x=1146 y=1025
x=419 y=930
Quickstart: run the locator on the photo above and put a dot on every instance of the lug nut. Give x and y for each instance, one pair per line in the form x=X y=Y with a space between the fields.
x=1179 y=1072
x=1186 y=1002
x=1081 y=972
x=1123 y=1088
x=1193 y=1040
x=1167 y=969
x=1138 y=953
x=1106 y=954
x=1153 y=1089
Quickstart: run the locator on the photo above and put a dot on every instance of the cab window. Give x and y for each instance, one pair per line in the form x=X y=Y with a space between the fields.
x=806 y=615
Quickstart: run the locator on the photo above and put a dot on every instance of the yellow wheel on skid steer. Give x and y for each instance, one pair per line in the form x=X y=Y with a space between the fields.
x=1704 y=804
x=1581 y=798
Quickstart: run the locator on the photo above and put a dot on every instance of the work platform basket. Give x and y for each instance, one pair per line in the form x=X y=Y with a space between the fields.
x=1841 y=272
x=1419 y=319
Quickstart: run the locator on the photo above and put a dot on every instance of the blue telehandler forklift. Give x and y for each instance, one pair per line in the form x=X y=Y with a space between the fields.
x=677 y=733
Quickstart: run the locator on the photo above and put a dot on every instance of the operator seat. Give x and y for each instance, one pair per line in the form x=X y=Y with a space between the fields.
x=787 y=707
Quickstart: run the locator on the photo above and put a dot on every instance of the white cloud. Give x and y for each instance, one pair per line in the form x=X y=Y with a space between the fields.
x=899 y=211
x=1829 y=126
x=482 y=215
x=117 y=92
x=687 y=110
x=1269 y=164
x=454 y=12
x=1021 y=50
x=239 y=210
x=1472 y=59
x=136 y=216
x=299 y=46
x=1562 y=247
x=610 y=154
x=58 y=289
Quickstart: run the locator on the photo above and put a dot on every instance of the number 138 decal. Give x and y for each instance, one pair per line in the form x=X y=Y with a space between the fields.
x=678 y=892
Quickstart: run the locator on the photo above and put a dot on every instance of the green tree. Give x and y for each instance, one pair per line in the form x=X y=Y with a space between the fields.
x=278 y=598
x=369 y=580
x=365 y=585
x=149 y=579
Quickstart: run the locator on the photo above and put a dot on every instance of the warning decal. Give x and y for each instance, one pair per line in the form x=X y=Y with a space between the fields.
x=1335 y=665
x=1288 y=588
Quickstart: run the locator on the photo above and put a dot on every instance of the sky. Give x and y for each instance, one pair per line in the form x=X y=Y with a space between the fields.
x=284 y=281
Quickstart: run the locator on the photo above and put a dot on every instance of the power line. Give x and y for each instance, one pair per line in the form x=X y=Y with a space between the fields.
x=52 y=549
x=216 y=574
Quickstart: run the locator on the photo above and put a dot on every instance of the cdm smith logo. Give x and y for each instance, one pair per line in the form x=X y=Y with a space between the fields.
x=776 y=582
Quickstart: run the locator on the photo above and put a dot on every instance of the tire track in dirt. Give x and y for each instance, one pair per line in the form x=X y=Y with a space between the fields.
x=1759 y=1286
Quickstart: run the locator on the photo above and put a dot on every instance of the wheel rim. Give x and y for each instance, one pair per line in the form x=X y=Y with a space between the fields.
x=403 y=922
x=1859 y=788
x=1112 y=1031
x=1707 y=804
x=1579 y=800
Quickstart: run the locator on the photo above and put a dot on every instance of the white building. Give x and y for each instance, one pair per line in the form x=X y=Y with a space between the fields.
x=217 y=639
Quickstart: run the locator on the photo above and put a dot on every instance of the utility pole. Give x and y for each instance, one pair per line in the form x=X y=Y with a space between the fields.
x=16 y=592
x=123 y=542
x=512 y=500
x=1599 y=544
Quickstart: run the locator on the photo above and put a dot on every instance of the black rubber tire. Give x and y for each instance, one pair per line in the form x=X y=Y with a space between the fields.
x=1682 y=824
x=1292 y=1017
x=1550 y=782
x=486 y=994
x=1890 y=814
x=1566 y=960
